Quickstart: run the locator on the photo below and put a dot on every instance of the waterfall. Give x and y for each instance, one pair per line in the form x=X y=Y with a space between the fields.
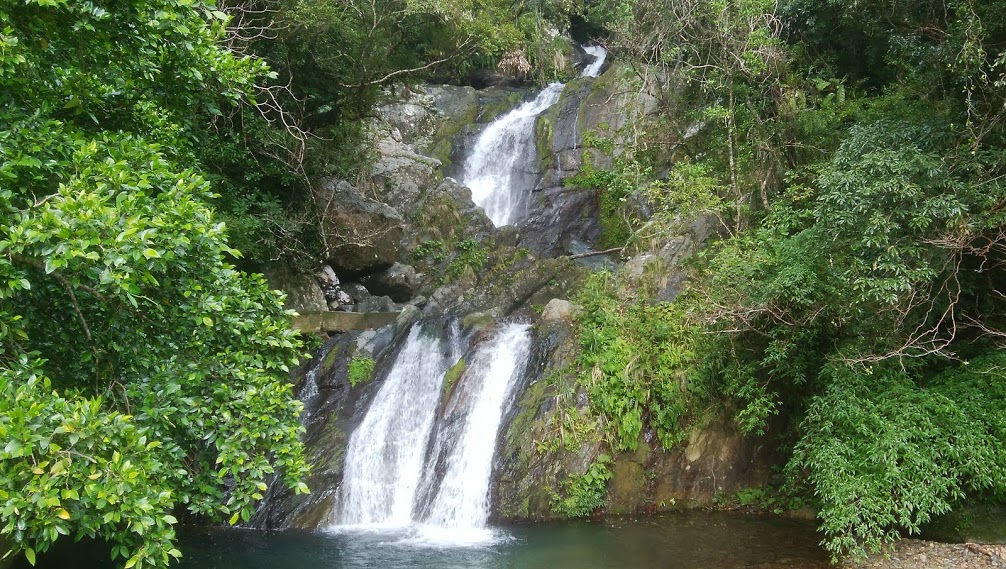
x=497 y=170
x=473 y=421
x=384 y=458
x=387 y=458
x=414 y=463
x=493 y=170
x=600 y=54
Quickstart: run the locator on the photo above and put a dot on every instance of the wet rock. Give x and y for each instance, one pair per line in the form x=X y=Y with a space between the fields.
x=531 y=463
x=400 y=282
x=375 y=341
x=602 y=109
x=594 y=263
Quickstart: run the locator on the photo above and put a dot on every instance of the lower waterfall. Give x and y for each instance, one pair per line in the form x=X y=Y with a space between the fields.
x=407 y=469
x=384 y=458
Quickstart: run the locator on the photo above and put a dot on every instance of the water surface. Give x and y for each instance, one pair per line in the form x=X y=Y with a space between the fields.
x=674 y=541
x=699 y=540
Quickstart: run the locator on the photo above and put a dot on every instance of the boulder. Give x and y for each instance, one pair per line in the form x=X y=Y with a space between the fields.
x=399 y=174
x=400 y=282
x=558 y=309
x=302 y=291
x=447 y=213
x=328 y=282
x=364 y=234
x=409 y=120
x=356 y=291
x=377 y=304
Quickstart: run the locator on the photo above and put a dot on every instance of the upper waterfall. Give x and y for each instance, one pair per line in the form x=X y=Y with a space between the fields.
x=498 y=171
x=504 y=147
x=600 y=54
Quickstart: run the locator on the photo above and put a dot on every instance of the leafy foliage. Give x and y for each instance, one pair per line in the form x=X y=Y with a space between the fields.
x=886 y=453
x=141 y=375
x=634 y=359
x=853 y=154
x=361 y=369
x=584 y=493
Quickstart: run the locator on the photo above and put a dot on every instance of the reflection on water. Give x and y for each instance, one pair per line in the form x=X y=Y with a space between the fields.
x=697 y=540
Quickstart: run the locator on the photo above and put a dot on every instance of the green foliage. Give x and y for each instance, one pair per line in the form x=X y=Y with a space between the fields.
x=634 y=361
x=470 y=258
x=584 y=493
x=885 y=454
x=141 y=375
x=432 y=249
x=613 y=187
x=361 y=369
x=570 y=426
x=453 y=374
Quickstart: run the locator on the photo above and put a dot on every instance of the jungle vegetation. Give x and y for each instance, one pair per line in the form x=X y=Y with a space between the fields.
x=152 y=151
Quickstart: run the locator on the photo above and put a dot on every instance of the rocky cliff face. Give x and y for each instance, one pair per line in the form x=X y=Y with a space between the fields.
x=412 y=239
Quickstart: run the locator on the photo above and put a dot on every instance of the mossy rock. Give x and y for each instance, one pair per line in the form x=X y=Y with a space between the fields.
x=452 y=375
x=498 y=103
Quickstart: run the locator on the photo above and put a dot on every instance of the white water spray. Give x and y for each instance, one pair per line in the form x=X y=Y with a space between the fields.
x=462 y=500
x=600 y=54
x=493 y=170
x=384 y=458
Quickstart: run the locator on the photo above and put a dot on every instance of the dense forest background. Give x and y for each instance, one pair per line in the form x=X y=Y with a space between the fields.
x=152 y=152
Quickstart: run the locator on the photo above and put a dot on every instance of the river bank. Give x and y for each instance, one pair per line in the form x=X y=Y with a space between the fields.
x=918 y=554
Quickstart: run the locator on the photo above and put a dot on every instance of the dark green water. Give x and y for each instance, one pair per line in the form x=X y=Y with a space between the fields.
x=699 y=540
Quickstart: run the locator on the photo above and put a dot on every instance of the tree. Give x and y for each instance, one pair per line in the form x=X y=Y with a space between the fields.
x=141 y=374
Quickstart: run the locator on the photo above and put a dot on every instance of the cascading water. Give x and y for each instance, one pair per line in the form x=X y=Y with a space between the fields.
x=496 y=171
x=600 y=54
x=403 y=468
x=472 y=421
x=492 y=171
x=384 y=458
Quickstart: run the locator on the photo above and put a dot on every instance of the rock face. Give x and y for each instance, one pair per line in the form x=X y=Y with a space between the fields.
x=539 y=451
x=399 y=282
x=365 y=234
x=558 y=309
x=447 y=213
x=528 y=475
x=590 y=125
